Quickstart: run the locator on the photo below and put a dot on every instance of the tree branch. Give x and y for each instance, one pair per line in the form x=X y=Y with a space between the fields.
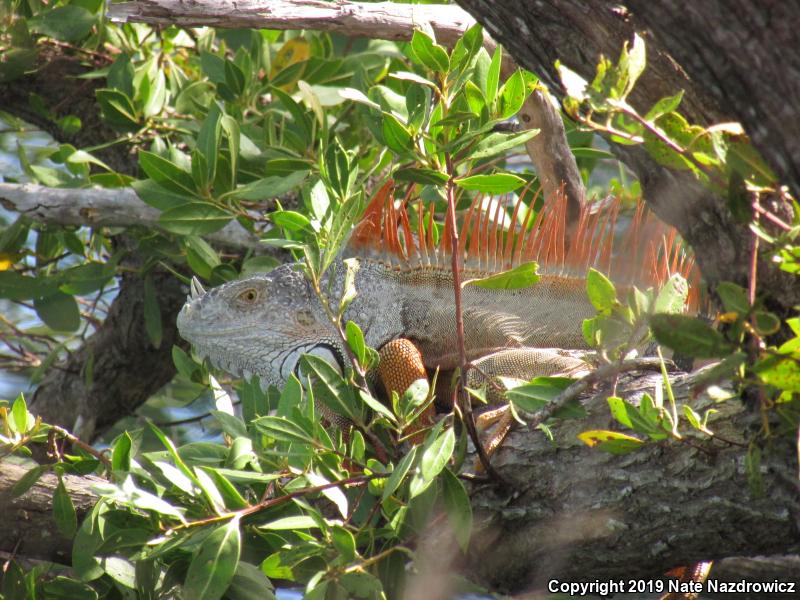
x=28 y=529
x=579 y=513
x=99 y=207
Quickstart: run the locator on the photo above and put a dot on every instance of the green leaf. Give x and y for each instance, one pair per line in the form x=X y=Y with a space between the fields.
x=521 y=276
x=121 y=454
x=64 y=511
x=290 y=220
x=183 y=362
x=610 y=441
x=765 y=323
x=637 y=60
x=27 y=481
x=601 y=291
x=212 y=568
x=344 y=542
x=282 y=429
x=208 y=148
x=16 y=62
x=297 y=522
x=225 y=490
x=633 y=418
x=690 y=336
x=539 y=392
x=249 y=583
x=664 y=106
x=65 y=588
x=271 y=187
x=355 y=339
x=59 y=311
x=21 y=287
x=436 y=453
x=396 y=135
x=88 y=277
x=377 y=406
x=496 y=143
x=499 y=183
x=672 y=296
x=406 y=76
x=399 y=473
x=302 y=122
x=512 y=96
x=66 y=23
x=332 y=389
x=458 y=507
x=118 y=109
x=734 y=297
x=421 y=175
x=194 y=218
x=493 y=75
x=428 y=53
x=780 y=371
x=23 y=420
x=166 y=173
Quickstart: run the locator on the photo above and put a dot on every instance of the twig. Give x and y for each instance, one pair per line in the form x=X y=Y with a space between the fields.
x=647 y=363
x=82 y=445
x=464 y=401
x=272 y=502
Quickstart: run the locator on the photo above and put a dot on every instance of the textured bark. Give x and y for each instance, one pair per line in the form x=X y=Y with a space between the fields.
x=102 y=207
x=579 y=514
x=27 y=528
x=734 y=62
x=127 y=369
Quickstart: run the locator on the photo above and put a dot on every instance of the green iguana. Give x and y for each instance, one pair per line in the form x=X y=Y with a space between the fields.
x=264 y=323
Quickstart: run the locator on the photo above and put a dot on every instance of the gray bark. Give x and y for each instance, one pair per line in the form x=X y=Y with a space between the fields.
x=579 y=514
x=102 y=207
x=27 y=528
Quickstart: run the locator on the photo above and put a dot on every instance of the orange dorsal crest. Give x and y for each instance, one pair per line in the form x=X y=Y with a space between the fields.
x=646 y=254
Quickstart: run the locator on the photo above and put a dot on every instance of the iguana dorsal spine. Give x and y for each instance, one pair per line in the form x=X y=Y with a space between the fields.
x=652 y=250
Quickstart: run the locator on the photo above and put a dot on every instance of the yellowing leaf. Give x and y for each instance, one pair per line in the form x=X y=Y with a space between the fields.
x=6 y=260
x=293 y=51
x=610 y=441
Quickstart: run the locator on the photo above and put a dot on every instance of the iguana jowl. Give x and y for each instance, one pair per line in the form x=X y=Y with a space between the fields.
x=264 y=323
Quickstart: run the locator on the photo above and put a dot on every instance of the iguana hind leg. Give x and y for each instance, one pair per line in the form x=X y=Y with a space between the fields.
x=518 y=363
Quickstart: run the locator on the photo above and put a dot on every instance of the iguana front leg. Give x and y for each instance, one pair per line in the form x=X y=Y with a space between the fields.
x=401 y=365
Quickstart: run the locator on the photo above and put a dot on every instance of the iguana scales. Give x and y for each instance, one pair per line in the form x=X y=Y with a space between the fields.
x=262 y=324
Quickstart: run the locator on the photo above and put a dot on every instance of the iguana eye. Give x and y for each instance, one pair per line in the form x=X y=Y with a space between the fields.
x=248 y=296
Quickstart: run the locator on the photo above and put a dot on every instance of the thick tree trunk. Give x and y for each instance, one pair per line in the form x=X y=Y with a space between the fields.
x=737 y=61
x=579 y=514
x=127 y=368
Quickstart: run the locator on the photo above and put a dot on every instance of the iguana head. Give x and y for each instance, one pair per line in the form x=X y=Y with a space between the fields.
x=259 y=325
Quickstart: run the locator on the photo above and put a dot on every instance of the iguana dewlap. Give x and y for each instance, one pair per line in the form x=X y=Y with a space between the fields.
x=262 y=324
